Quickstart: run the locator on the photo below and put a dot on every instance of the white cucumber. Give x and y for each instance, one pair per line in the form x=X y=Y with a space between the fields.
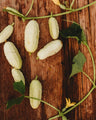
x=35 y=91
x=18 y=75
x=31 y=36
x=50 y=49
x=6 y=33
x=12 y=55
x=53 y=28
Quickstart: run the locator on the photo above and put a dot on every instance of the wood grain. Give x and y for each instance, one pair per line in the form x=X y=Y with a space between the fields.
x=54 y=71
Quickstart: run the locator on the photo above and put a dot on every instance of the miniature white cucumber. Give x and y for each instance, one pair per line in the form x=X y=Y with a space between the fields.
x=50 y=49
x=6 y=33
x=13 y=11
x=35 y=91
x=31 y=36
x=18 y=75
x=53 y=28
x=12 y=55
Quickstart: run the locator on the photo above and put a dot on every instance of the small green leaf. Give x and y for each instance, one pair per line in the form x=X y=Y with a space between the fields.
x=64 y=118
x=20 y=87
x=78 y=62
x=12 y=102
x=74 y=31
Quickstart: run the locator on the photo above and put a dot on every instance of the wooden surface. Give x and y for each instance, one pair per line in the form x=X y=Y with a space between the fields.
x=54 y=71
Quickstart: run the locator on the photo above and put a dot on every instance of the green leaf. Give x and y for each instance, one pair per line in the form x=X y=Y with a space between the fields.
x=78 y=62
x=12 y=102
x=74 y=31
x=20 y=87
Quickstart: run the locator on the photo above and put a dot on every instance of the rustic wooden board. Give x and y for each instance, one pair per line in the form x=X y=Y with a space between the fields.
x=52 y=73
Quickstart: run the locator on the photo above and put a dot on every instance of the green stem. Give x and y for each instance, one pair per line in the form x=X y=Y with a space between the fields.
x=80 y=101
x=92 y=60
x=37 y=58
x=54 y=117
x=60 y=14
x=89 y=78
x=43 y=102
x=72 y=3
x=69 y=21
x=36 y=77
x=30 y=53
x=30 y=8
x=13 y=24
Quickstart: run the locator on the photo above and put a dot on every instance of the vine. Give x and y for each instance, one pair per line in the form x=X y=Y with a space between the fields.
x=11 y=11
